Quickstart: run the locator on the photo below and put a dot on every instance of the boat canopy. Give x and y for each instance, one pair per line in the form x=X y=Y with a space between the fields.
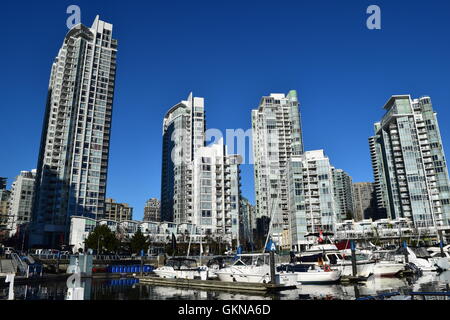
x=317 y=234
x=181 y=263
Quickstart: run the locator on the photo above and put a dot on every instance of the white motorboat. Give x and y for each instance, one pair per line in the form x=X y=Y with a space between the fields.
x=329 y=254
x=217 y=263
x=385 y=263
x=181 y=268
x=419 y=257
x=386 y=268
x=436 y=257
x=312 y=274
x=254 y=268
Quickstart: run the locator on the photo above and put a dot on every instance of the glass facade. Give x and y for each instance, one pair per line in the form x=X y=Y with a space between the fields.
x=411 y=175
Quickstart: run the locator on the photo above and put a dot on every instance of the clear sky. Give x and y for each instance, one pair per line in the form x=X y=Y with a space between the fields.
x=231 y=53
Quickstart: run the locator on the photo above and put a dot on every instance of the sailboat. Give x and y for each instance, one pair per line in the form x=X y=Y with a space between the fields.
x=181 y=267
x=255 y=267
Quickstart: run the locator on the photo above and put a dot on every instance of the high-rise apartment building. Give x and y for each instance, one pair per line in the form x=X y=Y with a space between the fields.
x=342 y=188
x=4 y=212
x=21 y=201
x=364 y=201
x=311 y=198
x=277 y=136
x=152 y=210
x=74 y=153
x=183 y=135
x=3 y=182
x=216 y=192
x=200 y=184
x=247 y=223
x=117 y=211
x=411 y=175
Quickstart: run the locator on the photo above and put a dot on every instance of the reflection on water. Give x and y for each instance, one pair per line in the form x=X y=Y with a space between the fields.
x=129 y=289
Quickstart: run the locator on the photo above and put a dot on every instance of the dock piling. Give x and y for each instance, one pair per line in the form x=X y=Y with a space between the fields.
x=353 y=249
x=272 y=267
x=406 y=252
x=441 y=243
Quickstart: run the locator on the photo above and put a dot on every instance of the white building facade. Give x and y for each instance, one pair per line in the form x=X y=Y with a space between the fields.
x=21 y=200
x=311 y=197
x=276 y=137
x=74 y=152
x=200 y=184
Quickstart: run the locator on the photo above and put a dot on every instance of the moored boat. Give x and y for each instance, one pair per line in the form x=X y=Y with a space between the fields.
x=310 y=274
x=181 y=268
x=254 y=268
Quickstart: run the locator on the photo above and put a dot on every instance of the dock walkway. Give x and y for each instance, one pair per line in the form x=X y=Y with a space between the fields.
x=6 y=266
x=215 y=284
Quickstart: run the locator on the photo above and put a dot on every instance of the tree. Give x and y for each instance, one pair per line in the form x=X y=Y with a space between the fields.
x=138 y=242
x=102 y=238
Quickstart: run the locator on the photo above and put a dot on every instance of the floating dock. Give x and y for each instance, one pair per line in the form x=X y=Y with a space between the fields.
x=215 y=284
x=353 y=279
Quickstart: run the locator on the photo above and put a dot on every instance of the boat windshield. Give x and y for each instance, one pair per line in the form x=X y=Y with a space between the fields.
x=334 y=257
x=359 y=257
x=258 y=260
x=179 y=264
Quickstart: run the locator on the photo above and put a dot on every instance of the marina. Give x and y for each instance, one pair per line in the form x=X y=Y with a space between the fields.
x=133 y=289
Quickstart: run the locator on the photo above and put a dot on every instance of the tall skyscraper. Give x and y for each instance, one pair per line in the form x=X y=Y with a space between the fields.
x=311 y=198
x=364 y=201
x=183 y=135
x=200 y=184
x=73 y=158
x=277 y=136
x=21 y=201
x=342 y=188
x=152 y=210
x=411 y=175
x=4 y=212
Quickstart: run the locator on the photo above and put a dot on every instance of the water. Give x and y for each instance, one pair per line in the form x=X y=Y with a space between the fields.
x=128 y=289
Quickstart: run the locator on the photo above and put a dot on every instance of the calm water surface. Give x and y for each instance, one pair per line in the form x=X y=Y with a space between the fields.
x=128 y=289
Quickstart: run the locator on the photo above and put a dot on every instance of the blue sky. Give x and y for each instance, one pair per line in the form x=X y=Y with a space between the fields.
x=231 y=53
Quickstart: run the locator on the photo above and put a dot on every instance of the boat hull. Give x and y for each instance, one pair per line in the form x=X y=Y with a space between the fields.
x=363 y=269
x=169 y=273
x=255 y=276
x=318 y=277
x=387 y=269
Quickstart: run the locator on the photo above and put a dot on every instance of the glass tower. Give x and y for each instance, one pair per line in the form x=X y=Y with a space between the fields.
x=411 y=175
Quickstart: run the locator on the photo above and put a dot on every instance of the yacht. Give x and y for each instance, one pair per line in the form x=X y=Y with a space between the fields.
x=312 y=274
x=328 y=253
x=436 y=257
x=217 y=263
x=419 y=257
x=181 y=268
x=386 y=265
x=254 y=268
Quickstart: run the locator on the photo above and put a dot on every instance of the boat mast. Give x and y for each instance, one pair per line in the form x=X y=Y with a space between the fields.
x=201 y=246
x=190 y=240
x=270 y=222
